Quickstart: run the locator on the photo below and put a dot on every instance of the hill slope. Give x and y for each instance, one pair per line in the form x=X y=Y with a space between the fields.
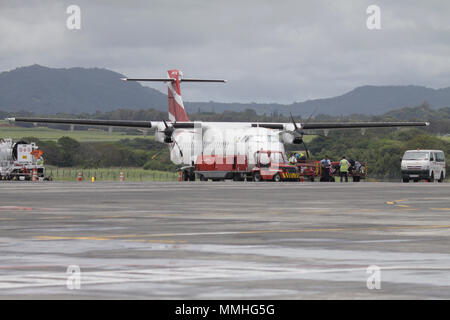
x=43 y=90
x=378 y=100
x=373 y=100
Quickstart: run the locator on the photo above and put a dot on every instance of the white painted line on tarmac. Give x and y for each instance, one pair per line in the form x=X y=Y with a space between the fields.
x=239 y=273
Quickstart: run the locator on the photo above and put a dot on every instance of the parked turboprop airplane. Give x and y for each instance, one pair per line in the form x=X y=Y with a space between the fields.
x=189 y=139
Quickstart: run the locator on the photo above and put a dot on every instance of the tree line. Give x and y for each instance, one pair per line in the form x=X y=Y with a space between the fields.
x=440 y=118
x=382 y=150
x=139 y=152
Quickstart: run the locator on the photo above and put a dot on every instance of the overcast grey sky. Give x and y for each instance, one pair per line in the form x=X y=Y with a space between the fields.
x=270 y=51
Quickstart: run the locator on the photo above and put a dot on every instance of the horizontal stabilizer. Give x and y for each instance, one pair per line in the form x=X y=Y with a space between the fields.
x=203 y=80
x=149 y=79
x=172 y=80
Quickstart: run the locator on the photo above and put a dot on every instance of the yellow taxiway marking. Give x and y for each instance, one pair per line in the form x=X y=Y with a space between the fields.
x=408 y=207
x=3 y=219
x=111 y=217
x=104 y=238
x=55 y=218
x=398 y=205
x=159 y=241
x=346 y=229
x=69 y=238
x=276 y=231
x=394 y=203
x=273 y=212
x=112 y=237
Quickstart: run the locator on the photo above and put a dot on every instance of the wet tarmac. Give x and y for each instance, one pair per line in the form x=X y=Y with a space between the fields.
x=224 y=240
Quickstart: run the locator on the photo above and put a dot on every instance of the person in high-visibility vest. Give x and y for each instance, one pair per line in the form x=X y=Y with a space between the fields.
x=301 y=157
x=343 y=168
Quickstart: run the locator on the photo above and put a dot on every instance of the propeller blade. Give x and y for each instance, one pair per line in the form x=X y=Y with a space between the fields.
x=306 y=149
x=293 y=121
x=181 y=152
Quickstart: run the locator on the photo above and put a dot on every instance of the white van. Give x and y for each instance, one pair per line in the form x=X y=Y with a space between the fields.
x=423 y=165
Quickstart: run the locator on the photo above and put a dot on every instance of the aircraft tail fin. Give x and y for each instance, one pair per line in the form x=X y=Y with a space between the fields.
x=177 y=112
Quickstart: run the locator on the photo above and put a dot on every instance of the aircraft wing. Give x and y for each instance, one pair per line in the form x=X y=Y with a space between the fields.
x=183 y=125
x=349 y=125
x=95 y=122
x=338 y=125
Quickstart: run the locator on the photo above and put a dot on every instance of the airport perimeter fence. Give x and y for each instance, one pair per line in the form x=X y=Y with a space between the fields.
x=134 y=175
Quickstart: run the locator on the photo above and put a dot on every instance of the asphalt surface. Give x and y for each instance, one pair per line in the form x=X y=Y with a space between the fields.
x=224 y=240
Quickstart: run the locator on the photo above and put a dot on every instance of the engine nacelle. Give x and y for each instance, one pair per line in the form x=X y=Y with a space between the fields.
x=290 y=138
x=159 y=136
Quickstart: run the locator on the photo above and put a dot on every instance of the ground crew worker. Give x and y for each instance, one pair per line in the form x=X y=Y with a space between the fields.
x=343 y=168
x=293 y=159
x=301 y=157
x=357 y=166
x=326 y=163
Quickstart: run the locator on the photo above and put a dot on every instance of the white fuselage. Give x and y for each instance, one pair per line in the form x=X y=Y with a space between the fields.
x=218 y=138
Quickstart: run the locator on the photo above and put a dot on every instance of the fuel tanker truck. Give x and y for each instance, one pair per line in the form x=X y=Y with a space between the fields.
x=19 y=160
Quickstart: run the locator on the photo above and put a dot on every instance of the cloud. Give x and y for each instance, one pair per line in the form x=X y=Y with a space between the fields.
x=269 y=51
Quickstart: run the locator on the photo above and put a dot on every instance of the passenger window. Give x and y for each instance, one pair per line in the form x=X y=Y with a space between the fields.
x=431 y=156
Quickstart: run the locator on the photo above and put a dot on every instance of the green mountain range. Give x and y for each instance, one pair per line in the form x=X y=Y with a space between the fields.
x=44 y=90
